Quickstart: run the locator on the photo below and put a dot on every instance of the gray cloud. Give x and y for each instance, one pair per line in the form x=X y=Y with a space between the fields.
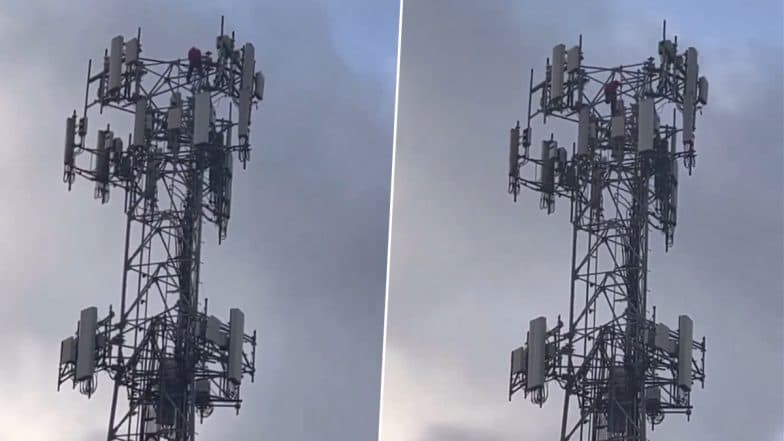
x=305 y=256
x=469 y=268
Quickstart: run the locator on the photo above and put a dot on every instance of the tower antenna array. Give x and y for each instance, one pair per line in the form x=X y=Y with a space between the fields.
x=620 y=368
x=172 y=360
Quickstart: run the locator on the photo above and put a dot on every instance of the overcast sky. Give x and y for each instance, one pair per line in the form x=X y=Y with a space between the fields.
x=469 y=268
x=306 y=253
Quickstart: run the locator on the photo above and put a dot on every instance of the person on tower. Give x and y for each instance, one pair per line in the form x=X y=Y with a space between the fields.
x=194 y=62
x=611 y=94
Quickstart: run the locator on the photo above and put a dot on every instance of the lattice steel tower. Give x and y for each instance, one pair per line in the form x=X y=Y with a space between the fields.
x=171 y=360
x=621 y=368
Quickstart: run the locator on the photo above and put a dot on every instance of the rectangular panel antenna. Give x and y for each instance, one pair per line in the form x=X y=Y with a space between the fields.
x=201 y=118
x=702 y=87
x=244 y=115
x=140 y=122
x=85 y=354
x=646 y=122
x=70 y=134
x=132 y=51
x=690 y=96
x=68 y=351
x=583 y=131
x=536 y=353
x=514 y=152
x=685 y=341
x=573 y=59
x=557 y=72
x=236 y=335
x=662 y=339
x=258 y=86
x=248 y=66
x=115 y=64
x=519 y=360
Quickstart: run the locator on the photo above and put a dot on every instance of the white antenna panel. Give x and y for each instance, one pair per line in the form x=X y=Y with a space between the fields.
x=85 y=355
x=132 y=51
x=258 y=86
x=237 y=333
x=646 y=122
x=536 y=353
x=70 y=134
x=244 y=115
x=583 y=131
x=68 y=351
x=248 y=66
x=140 y=122
x=519 y=360
x=685 y=340
x=557 y=71
x=702 y=88
x=201 y=118
x=573 y=59
x=115 y=63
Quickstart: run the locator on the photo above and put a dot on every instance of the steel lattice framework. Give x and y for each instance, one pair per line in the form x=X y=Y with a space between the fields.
x=612 y=359
x=172 y=361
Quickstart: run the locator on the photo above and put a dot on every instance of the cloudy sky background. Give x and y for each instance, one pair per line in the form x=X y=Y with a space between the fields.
x=306 y=252
x=469 y=267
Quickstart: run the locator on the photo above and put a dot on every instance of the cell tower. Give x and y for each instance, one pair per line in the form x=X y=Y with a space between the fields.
x=623 y=369
x=171 y=359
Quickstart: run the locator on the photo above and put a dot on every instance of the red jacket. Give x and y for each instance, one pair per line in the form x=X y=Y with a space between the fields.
x=194 y=56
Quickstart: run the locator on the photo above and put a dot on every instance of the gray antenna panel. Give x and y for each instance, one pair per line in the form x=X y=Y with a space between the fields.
x=132 y=51
x=514 y=151
x=248 y=66
x=583 y=131
x=70 y=134
x=201 y=118
x=646 y=124
x=115 y=63
x=213 y=331
x=244 y=115
x=690 y=96
x=258 y=86
x=85 y=355
x=548 y=176
x=573 y=59
x=557 y=72
x=140 y=122
x=537 y=334
x=68 y=351
x=236 y=325
x=702 y=88
x=102 y=157
x=519 y=360
x=685 y=341
x=662 y=339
